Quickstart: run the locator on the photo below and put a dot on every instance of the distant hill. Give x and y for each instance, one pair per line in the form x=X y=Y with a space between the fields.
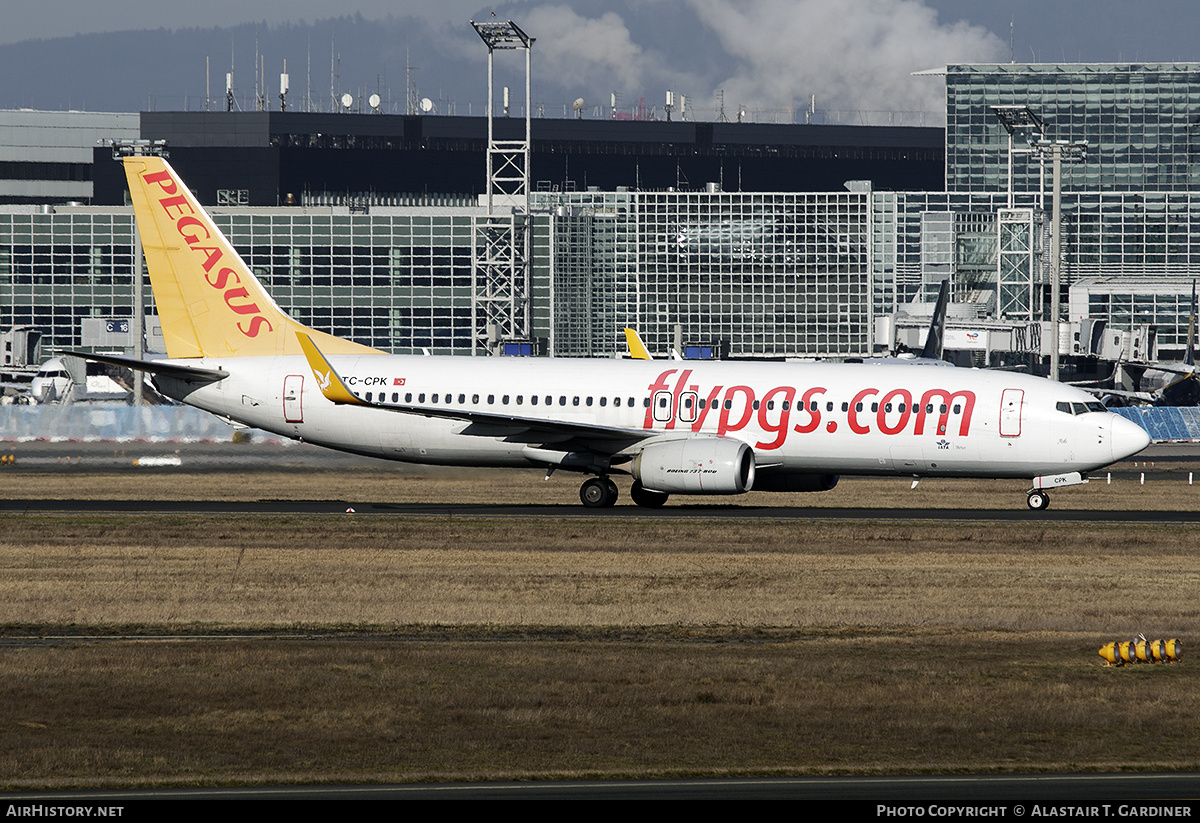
x=165 y=70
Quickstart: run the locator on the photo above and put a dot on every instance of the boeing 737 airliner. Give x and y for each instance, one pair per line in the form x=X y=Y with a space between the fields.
x=677 y=427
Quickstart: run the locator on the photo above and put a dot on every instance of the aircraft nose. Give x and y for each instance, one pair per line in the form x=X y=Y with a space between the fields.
x=1128 y=438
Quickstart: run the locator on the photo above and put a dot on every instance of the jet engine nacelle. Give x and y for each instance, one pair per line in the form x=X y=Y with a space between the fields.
x=699 y=465
x=791 y=482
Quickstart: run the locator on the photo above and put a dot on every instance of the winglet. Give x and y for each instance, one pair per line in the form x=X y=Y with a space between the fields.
x=328 y=379
x=637 y=349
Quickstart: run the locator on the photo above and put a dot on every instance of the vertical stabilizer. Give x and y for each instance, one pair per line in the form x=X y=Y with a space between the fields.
x=1190 y=356
x=209 y=303
x=935 y=340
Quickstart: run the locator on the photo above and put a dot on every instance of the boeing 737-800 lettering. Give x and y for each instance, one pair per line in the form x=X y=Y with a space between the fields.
x=675 y=427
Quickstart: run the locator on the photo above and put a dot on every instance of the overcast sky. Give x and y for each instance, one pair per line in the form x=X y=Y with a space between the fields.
x=765 y=55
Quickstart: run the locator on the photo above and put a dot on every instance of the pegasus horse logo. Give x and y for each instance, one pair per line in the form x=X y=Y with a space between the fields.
x=322 y=379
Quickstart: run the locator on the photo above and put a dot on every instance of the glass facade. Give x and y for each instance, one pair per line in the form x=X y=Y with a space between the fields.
x=395 y=282
x=1138 y=120
x=758 y=275
x=750 y=274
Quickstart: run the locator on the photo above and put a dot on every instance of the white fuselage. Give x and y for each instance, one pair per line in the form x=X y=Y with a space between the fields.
x=798 y=417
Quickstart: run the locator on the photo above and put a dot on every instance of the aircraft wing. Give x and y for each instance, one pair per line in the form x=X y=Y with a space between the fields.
x=561 y=435
x=1181 y=369
x=1145 y=397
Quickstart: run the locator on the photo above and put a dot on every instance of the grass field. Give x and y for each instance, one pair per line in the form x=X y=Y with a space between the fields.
x=185 y=650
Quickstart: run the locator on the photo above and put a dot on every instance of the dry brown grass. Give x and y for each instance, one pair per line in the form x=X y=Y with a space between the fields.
x=270 y=711
x=1164 y=490
x=271 y=572
x=437 y=648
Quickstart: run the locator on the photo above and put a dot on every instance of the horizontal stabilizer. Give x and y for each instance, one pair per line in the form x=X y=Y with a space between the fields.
x=167 y=368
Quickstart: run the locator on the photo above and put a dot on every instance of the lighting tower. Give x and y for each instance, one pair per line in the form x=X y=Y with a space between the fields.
x=1058 y=151
x=500 y=271
x=1018 y=119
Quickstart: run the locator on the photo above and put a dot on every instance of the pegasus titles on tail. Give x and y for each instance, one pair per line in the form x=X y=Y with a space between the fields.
x=209 y=302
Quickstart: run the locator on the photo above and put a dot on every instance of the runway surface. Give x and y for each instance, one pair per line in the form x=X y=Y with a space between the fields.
x=1119 y=791
x=575 y=512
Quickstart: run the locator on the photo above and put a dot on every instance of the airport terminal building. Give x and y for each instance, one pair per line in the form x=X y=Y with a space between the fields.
x=744 y=240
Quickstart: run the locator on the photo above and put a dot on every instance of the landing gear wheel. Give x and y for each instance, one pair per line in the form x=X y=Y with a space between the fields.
x=647 y=498
x=1038 y=500
x=598 y=493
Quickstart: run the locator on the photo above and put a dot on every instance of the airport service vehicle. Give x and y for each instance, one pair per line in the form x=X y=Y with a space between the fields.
x=683 y=427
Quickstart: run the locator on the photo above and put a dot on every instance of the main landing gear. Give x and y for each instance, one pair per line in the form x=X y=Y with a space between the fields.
x=1038 y=500
x=598 y=493
x=647 y=498
x=601 y=493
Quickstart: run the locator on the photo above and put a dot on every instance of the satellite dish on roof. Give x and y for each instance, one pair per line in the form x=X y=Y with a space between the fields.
x=426 y=104
x=347 y=100
x=374 y=101
x=577 y=105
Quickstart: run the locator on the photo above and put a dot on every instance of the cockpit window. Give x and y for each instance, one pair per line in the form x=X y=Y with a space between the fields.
x=1081 y=408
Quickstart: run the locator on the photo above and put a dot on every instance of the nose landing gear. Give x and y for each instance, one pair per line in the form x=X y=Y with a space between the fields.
x=1038 y=500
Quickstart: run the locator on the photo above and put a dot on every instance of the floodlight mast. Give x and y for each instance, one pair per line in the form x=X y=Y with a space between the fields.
x=1059 y=150
x=507 y=160
x=1014 y=119
x=500 y=267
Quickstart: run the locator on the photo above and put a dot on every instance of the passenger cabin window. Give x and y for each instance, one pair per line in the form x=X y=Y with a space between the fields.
x=662 y=406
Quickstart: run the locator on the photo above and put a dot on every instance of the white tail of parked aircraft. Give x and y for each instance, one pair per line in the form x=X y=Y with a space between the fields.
x=700 y=427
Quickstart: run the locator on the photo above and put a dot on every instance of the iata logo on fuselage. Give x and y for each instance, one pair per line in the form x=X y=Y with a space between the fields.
x=195 y=233
x=889 y=412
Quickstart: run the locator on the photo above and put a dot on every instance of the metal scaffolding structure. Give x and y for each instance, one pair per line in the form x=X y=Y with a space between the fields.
x=500 y=266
